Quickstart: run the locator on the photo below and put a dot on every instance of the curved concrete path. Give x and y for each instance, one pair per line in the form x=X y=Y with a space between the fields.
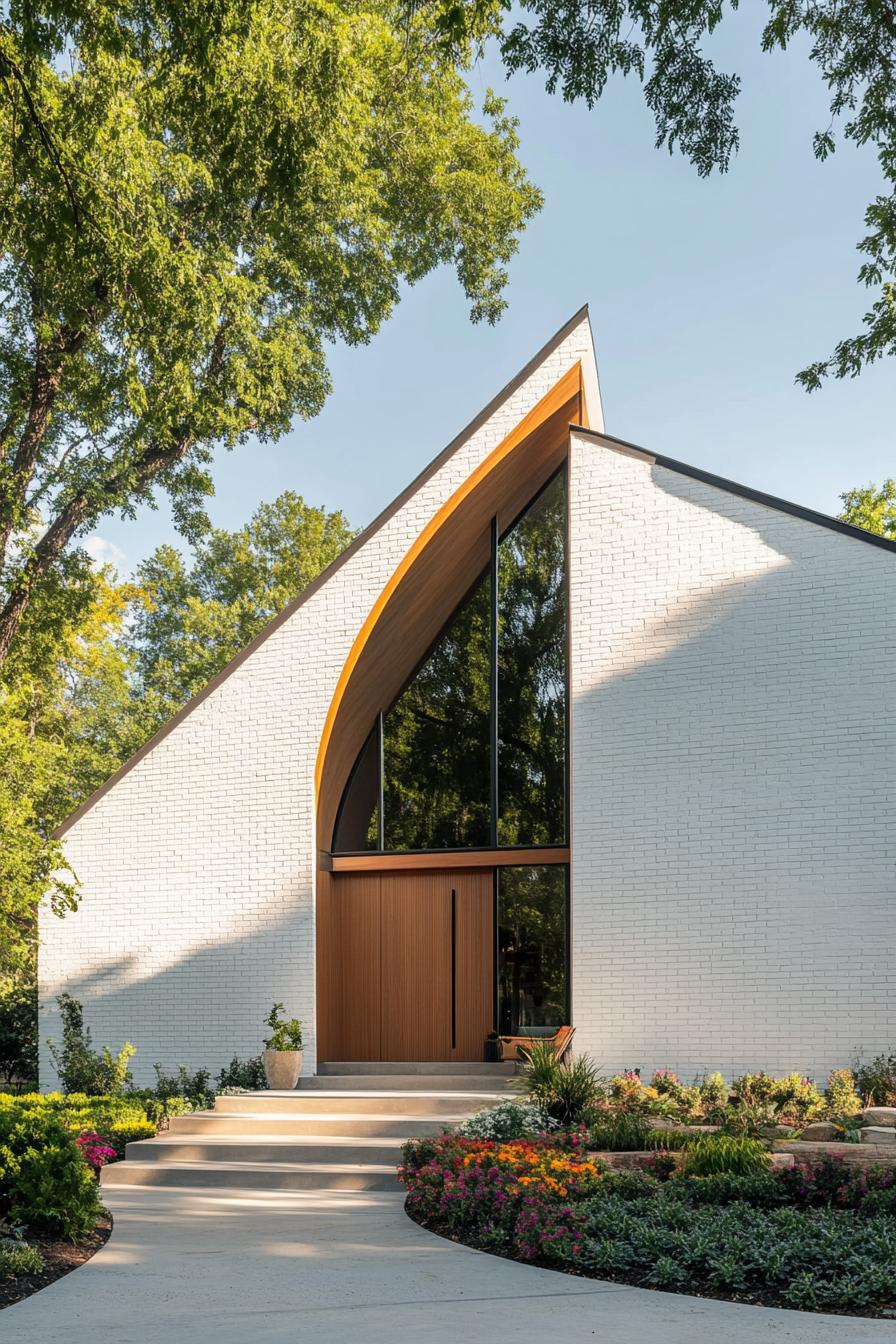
x=334 y=1267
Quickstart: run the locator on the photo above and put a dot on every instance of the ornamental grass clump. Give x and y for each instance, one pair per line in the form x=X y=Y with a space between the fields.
x=721 y=1154
x=566 y=1091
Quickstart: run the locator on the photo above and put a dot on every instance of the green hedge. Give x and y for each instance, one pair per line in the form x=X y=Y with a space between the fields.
x=118 y=1120
x=45 y=1182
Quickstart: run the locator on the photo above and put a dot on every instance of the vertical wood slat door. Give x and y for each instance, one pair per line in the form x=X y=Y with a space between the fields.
x=416 y=966
x=405 y=965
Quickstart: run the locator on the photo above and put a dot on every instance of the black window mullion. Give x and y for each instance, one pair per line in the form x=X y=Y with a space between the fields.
x=493 y=686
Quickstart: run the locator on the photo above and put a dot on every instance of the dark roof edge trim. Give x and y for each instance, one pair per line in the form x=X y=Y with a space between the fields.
x=390 y=510
x=744 y=491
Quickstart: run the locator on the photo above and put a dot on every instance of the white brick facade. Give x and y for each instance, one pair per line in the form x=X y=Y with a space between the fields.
x=733 y=801
x=733 y=732
x=197 y=868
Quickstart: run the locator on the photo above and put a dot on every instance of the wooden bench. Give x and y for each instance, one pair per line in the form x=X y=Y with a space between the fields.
x=514 y=1048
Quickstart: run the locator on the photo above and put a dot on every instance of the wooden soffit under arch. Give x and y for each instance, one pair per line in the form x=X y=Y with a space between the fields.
x=437 y=571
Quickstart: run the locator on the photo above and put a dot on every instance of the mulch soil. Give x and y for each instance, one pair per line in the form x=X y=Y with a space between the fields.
x=60 y=1257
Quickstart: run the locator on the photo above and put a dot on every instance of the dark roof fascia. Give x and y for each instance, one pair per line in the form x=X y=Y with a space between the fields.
x=391 y=509
x=744 y=491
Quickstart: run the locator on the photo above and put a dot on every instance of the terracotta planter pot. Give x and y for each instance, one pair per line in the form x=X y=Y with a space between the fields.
x=282 y=1069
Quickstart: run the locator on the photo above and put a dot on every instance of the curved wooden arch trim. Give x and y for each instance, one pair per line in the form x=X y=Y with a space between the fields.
x=569 y=385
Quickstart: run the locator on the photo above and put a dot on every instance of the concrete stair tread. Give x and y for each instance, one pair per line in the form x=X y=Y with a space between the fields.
x=434 y=1069
x=391 y=1092
x=196 y=1164
x=264 y=1141
x=287 y=1118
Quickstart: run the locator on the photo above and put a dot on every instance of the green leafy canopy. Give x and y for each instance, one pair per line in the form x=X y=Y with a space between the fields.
x=579 y=44
x=194 y=199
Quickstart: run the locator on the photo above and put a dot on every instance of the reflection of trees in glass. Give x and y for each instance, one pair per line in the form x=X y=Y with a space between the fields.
x=532 y=674
x=436 y=741
x=532 y=988
x=436 y=737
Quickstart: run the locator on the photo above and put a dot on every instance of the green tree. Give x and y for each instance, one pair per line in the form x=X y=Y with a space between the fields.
x=194 y=199
x=64 y=726
x=189 y=620
x=872 y=507
x=579 y=44
x=99 y=665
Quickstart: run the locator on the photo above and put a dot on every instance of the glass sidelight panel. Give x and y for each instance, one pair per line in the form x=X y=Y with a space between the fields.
x=532 y=938
x=357 y=823
x=436 y=741
x=532 y=673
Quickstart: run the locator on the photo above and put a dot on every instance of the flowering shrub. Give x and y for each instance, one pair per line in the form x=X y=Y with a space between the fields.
x=841 y=1094
x=96 y=1153
x=793 y=1098
x=507 y=1120
x=518 y=1195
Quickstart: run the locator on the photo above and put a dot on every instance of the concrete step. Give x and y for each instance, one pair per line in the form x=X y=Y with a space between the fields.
x=305 y=1149
x=283 y=1125
x=404 y=1103
x=448 y=1070
x=253 y=1175
x=411 y=1082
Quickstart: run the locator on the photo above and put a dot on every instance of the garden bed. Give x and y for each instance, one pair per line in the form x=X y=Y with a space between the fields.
x=713 y=1221
x=59 y=1257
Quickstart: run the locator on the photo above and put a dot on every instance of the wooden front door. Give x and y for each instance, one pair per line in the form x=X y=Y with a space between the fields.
x=405 y=965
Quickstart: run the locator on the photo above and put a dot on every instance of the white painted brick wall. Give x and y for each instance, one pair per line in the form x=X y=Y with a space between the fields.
x=733 y=799
x=198 y=867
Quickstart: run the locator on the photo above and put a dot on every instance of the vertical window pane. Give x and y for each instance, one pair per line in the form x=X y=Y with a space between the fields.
x=532 y=674
x=357 y=825
x=436 y=741
x=532 y=934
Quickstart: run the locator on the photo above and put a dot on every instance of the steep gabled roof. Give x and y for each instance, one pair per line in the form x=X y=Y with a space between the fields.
x=592 y=393
x=743 y=491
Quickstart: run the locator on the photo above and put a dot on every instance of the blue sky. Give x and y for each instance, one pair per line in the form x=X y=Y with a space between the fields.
x=706 y=298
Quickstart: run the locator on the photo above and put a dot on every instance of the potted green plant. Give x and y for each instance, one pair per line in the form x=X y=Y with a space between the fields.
x=282 y=1055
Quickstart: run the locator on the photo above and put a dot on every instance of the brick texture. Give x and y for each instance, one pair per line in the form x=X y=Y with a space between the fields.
x=733 y=802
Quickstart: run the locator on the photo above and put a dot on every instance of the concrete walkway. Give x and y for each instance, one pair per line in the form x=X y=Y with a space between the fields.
x=198 y=1267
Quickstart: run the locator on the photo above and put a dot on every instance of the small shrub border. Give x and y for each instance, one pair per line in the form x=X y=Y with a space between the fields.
x=817 y=1237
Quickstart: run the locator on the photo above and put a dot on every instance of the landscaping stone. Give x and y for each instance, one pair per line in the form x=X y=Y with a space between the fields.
x=822 y=1131
x=776 y=1131
x=868 y=1154
x=878 y=1134
x=880 y=1116
x=635 y=1161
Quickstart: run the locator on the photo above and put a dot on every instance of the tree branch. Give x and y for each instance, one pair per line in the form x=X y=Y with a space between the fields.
x=49 y=361
x=130 y=479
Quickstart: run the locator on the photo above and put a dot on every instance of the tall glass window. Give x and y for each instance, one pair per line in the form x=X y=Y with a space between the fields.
x=436 y=741
x=532 y=674
x=532 y=942
x=473 y=751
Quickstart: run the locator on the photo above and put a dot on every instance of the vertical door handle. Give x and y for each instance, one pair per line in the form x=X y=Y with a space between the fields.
x=453 y=969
